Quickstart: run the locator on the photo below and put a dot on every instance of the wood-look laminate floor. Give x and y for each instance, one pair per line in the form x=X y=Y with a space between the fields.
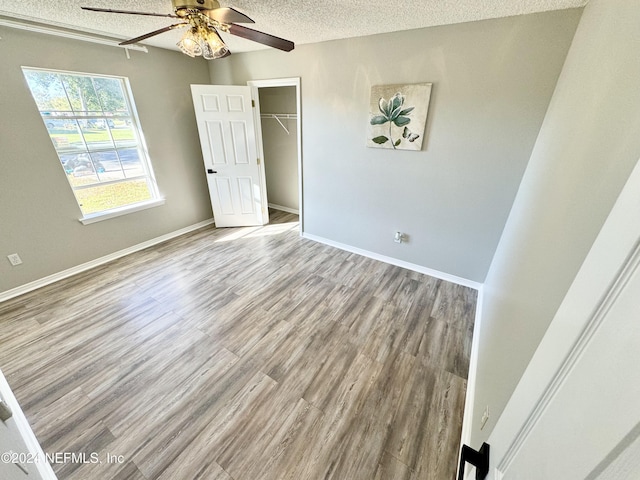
x=244 y=354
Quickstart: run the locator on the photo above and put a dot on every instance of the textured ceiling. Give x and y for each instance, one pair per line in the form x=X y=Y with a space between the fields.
x=301 y=21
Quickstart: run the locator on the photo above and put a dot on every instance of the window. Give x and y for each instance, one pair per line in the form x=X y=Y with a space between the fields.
x=93 y=125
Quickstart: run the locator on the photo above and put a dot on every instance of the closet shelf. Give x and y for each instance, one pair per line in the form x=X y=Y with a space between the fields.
x=278 y=116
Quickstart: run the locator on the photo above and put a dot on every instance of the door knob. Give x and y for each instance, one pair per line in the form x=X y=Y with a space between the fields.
x=210 y=170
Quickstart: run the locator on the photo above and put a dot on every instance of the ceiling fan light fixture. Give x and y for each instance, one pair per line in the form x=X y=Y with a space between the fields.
x=203 y=19
x=210 y=54
x=190 y=43
x=212 y=45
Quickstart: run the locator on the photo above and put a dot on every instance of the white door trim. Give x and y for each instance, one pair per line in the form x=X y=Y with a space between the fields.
x=282 y=82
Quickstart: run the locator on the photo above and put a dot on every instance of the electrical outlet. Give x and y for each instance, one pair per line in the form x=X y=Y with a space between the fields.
x=485 y=417
x=15 y=259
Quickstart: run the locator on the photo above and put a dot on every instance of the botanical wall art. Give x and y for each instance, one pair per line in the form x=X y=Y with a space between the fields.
x=398 y=115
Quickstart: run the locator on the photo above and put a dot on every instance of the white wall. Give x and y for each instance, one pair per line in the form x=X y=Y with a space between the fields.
x=585 y=151
x=492 y=81
x=38 y=212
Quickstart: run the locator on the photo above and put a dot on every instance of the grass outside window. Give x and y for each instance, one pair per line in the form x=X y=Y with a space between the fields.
x=107 y=197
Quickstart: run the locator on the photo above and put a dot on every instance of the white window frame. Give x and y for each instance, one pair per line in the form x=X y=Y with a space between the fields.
x=141 y=146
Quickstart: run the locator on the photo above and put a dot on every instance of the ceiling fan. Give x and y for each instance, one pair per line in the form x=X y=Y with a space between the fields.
x=203 y=19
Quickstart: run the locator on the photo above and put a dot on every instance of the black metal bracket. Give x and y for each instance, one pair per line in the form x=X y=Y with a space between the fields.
x=479 y=459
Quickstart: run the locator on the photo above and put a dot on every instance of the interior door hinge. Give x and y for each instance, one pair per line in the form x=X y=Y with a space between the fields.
x=258 y=161
x=253 y=103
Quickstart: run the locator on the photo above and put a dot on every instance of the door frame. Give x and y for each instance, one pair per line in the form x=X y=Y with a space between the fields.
x=280 y=82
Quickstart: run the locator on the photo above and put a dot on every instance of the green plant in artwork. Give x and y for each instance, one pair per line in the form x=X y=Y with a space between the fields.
x=394 y=112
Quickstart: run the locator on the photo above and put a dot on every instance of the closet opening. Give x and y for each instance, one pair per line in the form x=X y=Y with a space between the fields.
x=279 y=139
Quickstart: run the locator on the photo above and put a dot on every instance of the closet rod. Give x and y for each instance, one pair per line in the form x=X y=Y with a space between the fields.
x=282 y=115
x=277 y=117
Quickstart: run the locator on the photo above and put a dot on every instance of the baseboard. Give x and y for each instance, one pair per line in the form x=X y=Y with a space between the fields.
x=398 y=263
x=28 y=287
x=284 y=209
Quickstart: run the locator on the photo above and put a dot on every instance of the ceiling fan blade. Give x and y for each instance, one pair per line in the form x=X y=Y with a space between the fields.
x=154 y=33
x=261 y=37
x=228 y=15
x=108 y=10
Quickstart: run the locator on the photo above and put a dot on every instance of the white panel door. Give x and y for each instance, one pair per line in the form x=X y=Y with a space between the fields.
x=227 y=132
x=11 y=444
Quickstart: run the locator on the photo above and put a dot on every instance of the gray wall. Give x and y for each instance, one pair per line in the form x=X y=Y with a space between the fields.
x=492 y=82
x=38 y=212
x=280 y=148
x=587 y=147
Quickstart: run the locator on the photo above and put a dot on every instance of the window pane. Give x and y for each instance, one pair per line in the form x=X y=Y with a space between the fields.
x=108 y=166
x=104 y=197
x=96 y=134
x=66 y=136
x=48 y=91
x=131 y=162
x=81 y=95
x=123 y=132
x=111 y=96
x=80 y=169
x=59 y=125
